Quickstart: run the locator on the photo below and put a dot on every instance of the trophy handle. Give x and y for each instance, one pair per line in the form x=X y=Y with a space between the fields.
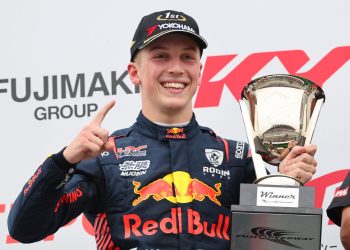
x=259 y=165
x=312 y=124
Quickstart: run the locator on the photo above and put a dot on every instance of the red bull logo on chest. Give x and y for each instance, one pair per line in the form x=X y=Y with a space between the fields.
x=134 y=225
x=177 y=187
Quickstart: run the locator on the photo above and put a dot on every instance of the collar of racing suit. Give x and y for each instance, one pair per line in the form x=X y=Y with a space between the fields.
x=153 y=130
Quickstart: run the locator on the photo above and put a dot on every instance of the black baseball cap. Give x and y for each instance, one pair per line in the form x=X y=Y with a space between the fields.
x=164 y=22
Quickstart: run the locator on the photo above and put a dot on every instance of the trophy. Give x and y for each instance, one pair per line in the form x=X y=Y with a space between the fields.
x=277 y=211
x=279 y=111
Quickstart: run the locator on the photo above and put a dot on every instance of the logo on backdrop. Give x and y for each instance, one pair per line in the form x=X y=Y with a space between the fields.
x=67 y=87
x=209 y=92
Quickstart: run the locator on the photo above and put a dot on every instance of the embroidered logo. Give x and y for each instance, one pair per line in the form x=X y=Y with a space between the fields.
x=134 y=168
x=239 y=153
x=342 y=192
x=214 y=156
x=175 y=133
x=132 y=151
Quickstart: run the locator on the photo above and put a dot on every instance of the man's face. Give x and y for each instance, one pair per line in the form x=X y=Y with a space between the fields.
x=168 y=71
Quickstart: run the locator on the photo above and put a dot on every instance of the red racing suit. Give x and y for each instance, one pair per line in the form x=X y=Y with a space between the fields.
x=160 y=188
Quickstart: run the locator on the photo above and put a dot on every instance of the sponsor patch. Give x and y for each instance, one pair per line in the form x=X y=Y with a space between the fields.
x=177 y=187
x=69 y=198
x=216 y=172
x=134 y=168
x=175 y=133
x=342 y=192
x=31 y=181
x=132 y=151
x=214 y=156
x=175 y=26
x=239 y=152
x=177 y=221
x=171 y=16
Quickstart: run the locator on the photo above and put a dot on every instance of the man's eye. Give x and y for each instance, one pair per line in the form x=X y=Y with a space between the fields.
x=160 y=56
x=188 y=58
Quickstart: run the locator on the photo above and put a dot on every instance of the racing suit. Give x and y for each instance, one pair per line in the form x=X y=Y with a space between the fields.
x=160 y=188
x=341 y=199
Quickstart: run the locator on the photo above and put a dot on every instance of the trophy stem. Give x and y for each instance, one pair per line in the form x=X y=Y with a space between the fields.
x=279 y=179
x=259 y=165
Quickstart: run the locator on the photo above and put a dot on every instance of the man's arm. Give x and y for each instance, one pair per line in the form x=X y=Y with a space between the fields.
x=338 y=211
x=52 y=197
x=345 y=227
x=48 y=201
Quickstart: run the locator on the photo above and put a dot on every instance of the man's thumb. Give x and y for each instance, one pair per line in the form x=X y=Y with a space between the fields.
x=109 y=145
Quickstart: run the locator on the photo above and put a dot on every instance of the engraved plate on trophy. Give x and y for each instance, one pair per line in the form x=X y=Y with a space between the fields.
x=279 y=111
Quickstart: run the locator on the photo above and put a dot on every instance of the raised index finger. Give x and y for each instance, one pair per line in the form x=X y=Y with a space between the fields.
x=101 y=114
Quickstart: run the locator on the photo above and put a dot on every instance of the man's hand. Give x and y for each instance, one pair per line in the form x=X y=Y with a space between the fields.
x=300 y=163
x=91 y=140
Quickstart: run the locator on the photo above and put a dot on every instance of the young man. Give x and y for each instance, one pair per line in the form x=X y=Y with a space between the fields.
x=163 y=183
x=339 y=211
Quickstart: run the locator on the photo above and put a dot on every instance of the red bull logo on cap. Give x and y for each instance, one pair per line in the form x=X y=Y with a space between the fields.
x=177 y=187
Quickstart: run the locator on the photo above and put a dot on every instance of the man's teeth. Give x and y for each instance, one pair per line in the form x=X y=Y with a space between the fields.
x=176 y=85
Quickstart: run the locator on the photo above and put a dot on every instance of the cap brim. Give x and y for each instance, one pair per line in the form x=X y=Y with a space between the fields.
x=201 y=41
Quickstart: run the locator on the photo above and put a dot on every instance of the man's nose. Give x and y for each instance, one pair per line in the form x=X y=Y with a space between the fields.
x=176 y=67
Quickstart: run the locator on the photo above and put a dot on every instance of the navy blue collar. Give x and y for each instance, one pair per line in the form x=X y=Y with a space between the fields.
x=149 y=128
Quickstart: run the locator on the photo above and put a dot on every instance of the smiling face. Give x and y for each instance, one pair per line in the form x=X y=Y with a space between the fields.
x=168 y=71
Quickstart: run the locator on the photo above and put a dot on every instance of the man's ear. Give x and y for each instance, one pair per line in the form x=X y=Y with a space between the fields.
x=133 y=73
x=200 y=75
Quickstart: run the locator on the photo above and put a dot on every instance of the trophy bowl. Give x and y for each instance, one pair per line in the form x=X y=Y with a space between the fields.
x=279 y=112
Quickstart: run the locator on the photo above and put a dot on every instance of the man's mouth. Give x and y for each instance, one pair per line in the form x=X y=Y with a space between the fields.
x=174 y=85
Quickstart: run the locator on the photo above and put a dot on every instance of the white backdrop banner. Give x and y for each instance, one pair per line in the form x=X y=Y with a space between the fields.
x=60 y=61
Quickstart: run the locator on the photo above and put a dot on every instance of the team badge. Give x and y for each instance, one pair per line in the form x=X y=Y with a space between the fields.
x=214 y=156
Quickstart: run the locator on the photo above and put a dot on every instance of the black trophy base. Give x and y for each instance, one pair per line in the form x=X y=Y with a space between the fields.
x=275 y=227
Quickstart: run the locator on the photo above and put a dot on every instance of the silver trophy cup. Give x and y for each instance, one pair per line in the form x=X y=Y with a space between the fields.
x=279 y=111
